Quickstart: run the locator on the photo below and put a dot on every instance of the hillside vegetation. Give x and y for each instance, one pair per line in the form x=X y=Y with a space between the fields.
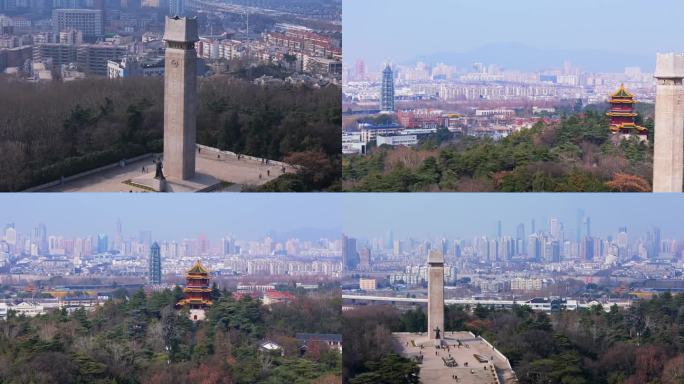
x=143 y=339
x=577 y=154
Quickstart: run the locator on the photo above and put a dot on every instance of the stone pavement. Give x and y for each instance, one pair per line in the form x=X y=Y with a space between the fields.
x=235 y=173
x=473 y=360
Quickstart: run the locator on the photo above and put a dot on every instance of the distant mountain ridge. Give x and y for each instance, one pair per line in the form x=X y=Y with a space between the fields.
x=526 y=58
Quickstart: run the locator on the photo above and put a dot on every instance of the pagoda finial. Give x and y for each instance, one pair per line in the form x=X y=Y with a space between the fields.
x=622 y=92
x=198 y=268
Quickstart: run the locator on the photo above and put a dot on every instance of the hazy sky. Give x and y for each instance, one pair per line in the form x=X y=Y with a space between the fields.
x=251 y=216
x=172 y=216
x=404 y=29
x=421 y=215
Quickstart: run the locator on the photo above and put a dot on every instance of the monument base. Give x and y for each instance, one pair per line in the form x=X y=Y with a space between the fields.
x=159 y=185
x=215 y=171
x=200 y=183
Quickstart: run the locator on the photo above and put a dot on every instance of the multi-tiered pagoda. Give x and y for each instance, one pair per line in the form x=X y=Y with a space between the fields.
x=197 y=291
x=622 y=114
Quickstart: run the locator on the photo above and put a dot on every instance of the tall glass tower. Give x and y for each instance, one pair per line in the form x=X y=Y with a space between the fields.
x=387 y=95
x=155 y=275
x=176 y=7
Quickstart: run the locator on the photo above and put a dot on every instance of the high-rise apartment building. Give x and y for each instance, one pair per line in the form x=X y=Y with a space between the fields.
x=102 y=243
x=94 y=58
x=587 y=249
x=350 y=255
x=176 y=7
x=521 y=244
x=88 y=21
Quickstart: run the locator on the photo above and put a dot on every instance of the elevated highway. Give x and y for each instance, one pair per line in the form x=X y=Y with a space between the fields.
x=542 y=304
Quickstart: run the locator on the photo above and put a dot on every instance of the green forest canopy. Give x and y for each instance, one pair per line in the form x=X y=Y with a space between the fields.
x=143 y=339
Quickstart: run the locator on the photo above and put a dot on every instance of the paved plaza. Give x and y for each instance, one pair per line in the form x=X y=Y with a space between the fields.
x=459 y=357
x=232 y=174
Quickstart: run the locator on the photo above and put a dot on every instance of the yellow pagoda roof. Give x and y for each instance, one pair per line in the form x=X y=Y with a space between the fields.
x=622 y=92
x=194 y=301
x=197 y=268
x=196 y=289
x=621 y=101
x=618 y=127
x=622 y=114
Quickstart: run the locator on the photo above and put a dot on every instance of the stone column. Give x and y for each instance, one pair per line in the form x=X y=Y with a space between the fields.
x=668 y=158
x=435 y=294
x=180 y=98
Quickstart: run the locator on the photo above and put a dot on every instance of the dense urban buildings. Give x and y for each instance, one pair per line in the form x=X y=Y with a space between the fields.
x=133 y=30
x=41 y=252
x=517 y=261
x=505 y=264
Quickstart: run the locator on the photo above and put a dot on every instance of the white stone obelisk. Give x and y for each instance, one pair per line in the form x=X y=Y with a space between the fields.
x=435 y=295
x=668 y=157
x=180 y=98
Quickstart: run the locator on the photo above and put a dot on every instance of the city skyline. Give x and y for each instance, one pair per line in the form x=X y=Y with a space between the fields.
x=391 y=212
x=174 y=217
x=376 y=39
